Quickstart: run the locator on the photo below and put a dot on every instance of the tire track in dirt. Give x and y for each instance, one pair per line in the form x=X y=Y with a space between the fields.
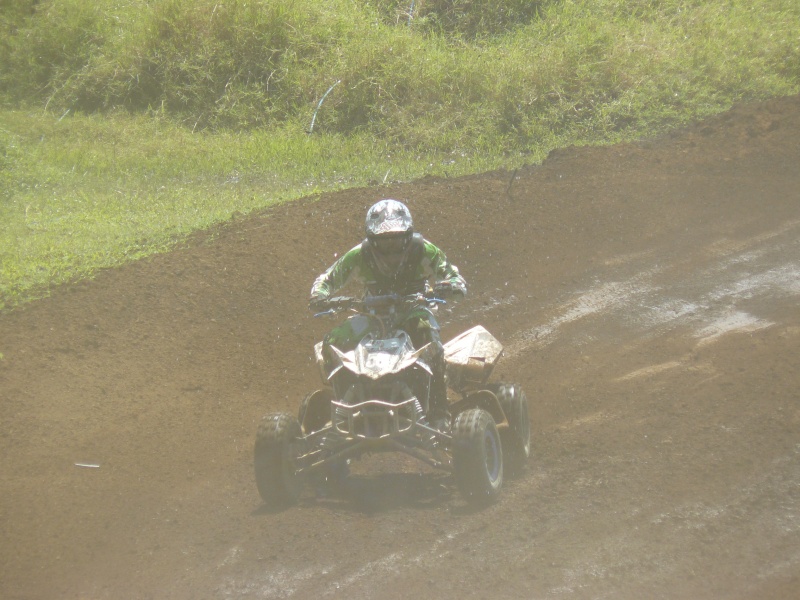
x=653 y=301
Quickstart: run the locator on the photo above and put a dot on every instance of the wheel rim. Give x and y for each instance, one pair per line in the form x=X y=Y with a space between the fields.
x=492 y=452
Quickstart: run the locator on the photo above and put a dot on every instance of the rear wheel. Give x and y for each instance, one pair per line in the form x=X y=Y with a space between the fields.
x=477 y=456
x=277 y=448
x=517 y=437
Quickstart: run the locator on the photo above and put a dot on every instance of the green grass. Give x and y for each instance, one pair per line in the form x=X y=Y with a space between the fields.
x=126 y=125
x=90 y=192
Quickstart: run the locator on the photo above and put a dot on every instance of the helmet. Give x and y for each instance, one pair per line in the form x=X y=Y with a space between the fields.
x=389 y=229
x=390 y=217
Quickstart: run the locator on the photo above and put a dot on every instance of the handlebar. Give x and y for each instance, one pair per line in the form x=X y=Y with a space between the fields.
x=369 y=303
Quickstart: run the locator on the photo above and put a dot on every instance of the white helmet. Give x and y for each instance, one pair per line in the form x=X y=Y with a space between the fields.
x=390 y=217
x=389 y=229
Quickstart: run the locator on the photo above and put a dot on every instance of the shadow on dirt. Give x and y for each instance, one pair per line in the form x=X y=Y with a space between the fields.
x=386 y=492
x=374 y=494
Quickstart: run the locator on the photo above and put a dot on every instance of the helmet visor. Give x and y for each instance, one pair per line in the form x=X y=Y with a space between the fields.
x=390 y=244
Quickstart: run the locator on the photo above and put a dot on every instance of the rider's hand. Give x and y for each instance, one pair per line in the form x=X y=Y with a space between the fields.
x=446 y=289
x=317 y=305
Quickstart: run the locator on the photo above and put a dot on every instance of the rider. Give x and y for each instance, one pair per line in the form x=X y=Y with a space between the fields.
x=393 y=260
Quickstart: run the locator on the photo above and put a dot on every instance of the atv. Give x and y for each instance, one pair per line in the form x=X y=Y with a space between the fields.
x=376 y=398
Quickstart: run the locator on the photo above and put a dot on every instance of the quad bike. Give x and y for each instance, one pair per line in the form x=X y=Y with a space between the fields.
x=377 y=398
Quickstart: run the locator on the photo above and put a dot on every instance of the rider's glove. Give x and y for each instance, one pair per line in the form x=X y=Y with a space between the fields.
x=458 y=292
x=441 y=289
x=318 y=304
x=448 y=289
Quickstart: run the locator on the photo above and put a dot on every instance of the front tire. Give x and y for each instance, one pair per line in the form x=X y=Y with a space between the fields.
x=277 y=448
x=477 y=456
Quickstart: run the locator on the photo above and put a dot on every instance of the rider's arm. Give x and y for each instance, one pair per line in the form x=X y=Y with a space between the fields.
x=441 y=270
x=348 y=268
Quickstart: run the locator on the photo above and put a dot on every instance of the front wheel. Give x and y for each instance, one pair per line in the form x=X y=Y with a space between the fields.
x=477 y=456
x=277 y=448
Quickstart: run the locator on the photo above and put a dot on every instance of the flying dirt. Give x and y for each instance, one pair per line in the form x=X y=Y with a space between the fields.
x=647 y=296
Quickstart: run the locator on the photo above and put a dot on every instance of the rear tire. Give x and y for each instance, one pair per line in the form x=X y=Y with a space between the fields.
x=477 y=456
x=517 y=437
x=277 y=448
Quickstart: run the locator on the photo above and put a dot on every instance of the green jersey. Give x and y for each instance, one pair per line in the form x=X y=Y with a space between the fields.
x=423 y=262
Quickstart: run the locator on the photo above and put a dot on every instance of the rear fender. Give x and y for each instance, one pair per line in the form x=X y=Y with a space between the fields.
x=470 y=358
x=482 y=399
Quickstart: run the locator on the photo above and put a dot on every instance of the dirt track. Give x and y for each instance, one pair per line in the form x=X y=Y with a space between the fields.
x=647 y=295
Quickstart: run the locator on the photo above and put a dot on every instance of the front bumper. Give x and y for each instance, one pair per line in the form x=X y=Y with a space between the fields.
x=376 y=426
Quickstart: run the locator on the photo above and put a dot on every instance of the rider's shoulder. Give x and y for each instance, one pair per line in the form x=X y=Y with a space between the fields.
x=428 y=247
x=349 y=259
x=354 y=252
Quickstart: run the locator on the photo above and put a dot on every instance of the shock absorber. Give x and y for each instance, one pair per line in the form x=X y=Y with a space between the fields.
x=418 y=412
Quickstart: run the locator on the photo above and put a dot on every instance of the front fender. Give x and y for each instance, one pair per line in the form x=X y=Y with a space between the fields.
x=423 y=357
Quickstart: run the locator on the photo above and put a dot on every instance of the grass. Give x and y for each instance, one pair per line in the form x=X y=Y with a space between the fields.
x=90 y=192
x=126 y=125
